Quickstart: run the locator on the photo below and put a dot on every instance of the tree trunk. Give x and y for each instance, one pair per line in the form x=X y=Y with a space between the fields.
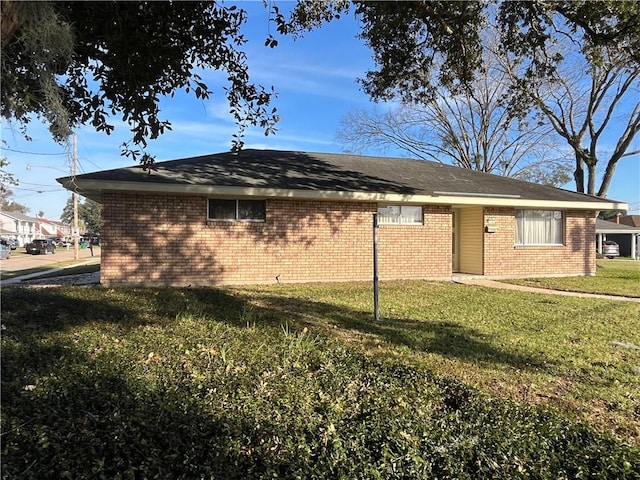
x=592 y=173
x=606 y=178
x=11 y=19
x=578 y=174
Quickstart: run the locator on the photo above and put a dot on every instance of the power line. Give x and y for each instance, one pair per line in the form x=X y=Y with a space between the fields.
x=36 y=184
x=37 y=190
x=81 y=167
x=33 y=153
x=87 y=156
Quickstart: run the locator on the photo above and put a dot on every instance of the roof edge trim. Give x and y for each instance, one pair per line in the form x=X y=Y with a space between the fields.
x=88 y=186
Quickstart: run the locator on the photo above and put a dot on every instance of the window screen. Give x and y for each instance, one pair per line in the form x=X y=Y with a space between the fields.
x=400 y=215
x=251 y=210
x=222 y=209
x=226 y=209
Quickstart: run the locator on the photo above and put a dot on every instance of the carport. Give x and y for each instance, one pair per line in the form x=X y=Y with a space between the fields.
x=624 y=235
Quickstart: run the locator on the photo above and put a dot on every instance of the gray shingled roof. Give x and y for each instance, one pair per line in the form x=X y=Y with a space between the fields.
x=331 y=172
x=20 y=216
x=604 y=226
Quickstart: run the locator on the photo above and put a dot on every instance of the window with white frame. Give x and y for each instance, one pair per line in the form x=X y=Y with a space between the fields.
x=236 y=209
x=399 y=215
x=539 y=227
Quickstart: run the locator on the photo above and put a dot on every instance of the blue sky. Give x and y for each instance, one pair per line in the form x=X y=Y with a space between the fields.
x=315 y=78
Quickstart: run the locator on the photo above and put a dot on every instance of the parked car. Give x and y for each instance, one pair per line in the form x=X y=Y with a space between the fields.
x=61 y=242
x=610 y=249
x=9 y=242
x=5 y=251
x=41 y=246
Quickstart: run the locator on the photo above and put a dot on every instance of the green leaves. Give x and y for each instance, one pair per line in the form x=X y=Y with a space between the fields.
x=88 y=214
x=123 y=58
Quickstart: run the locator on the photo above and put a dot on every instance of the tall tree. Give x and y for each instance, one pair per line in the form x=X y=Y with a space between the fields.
x=73 y=63
x=7 y=179
x=588 y=99
x=7 y=204
x=419 y=45
x=88 y=215
x=67 y=212
x=468 y=126
x=416 y=43
x=77 y=63
x=611 y=215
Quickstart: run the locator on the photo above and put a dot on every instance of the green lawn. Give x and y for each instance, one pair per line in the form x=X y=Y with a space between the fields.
x=297 y=381
x=613 y=277
x=552 y=350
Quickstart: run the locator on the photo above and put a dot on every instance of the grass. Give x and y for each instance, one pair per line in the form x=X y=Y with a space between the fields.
x=563 y=352
x=297 y=381
x=613 y=277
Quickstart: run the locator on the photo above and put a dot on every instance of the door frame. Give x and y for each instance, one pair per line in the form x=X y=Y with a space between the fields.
x=455 y=240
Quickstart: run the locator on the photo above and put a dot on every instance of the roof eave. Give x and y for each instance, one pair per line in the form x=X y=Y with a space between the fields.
x=93 y=188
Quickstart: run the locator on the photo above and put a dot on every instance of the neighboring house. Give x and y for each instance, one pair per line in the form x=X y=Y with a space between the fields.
x=19 y=226
x=63 y=230
x=631 y=220
x=626 y=236
x=52 y=228
x=267 y=216
x=46 y=228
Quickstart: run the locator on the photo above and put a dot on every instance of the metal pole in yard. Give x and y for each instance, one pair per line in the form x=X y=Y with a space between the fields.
x=376 y=303
x=76 y=254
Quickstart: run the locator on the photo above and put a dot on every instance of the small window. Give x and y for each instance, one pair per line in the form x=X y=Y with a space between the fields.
x=222 y=209
x=246 y=210
x=251 y=210
x=539 y=227
x=400 y=215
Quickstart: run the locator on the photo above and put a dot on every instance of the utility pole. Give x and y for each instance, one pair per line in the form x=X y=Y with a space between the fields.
x=76 y=232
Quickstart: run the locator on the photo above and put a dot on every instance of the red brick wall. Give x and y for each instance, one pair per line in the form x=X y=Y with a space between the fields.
x=503 y=258
x=417 y=251
x=166 y=240
x=156 y=239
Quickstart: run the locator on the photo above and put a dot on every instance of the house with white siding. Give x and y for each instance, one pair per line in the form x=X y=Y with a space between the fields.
x=19 y=226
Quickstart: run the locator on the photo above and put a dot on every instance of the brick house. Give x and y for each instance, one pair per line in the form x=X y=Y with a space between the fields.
x=266 y=216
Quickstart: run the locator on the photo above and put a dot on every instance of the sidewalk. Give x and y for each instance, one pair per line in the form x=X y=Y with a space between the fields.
x=34 y=278
x=522 y=288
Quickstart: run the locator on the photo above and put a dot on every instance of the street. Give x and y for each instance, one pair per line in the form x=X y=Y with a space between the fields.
x=20 y=260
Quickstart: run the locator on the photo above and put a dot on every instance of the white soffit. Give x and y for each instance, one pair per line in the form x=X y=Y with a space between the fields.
x=439 y=198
